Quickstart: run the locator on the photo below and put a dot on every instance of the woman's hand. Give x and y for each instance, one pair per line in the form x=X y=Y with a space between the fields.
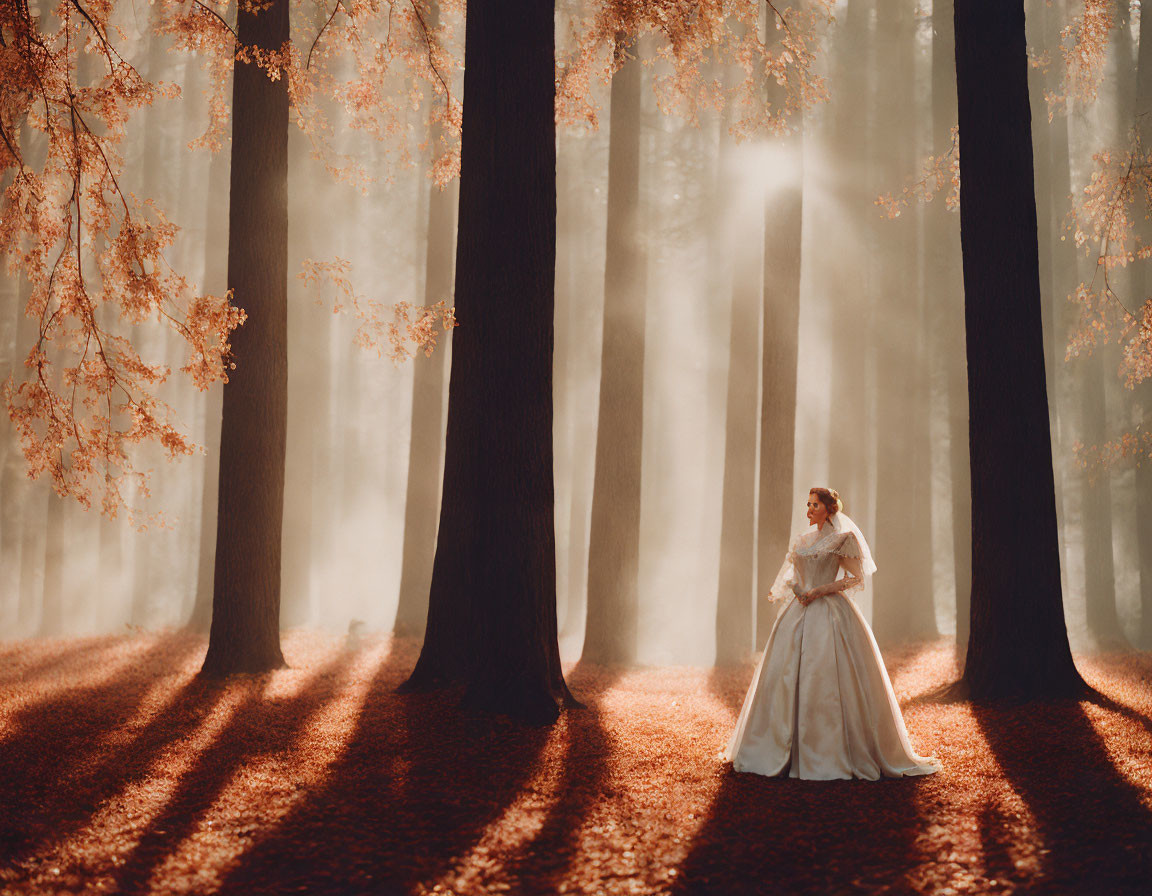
x=809 y=596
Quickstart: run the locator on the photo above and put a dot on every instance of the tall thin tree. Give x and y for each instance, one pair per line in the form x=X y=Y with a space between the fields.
x=1018 y=646
x=1142 y=286
x=943 y=256
x=855 y=133
x=903 y=606
x=425 y=449
x=1096 y=495
x=735 y=601
x=780 y=331
x=614 y=538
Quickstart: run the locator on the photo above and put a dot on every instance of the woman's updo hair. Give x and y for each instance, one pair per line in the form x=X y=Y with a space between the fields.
x=829 y=497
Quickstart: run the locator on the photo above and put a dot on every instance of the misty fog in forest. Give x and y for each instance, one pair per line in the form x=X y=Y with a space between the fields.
x=670 y=433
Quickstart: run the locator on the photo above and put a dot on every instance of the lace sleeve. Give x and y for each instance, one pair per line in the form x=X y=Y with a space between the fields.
x=853 y=573
x=787 y=580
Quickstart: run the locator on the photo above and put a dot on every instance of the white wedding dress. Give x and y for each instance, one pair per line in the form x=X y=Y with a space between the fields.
x=820 y=705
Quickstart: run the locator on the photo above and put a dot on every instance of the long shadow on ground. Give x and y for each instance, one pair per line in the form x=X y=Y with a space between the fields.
x=1057 y=762
x=552 y=854
x=258 y=726
x=64 y=756
x=416 y=791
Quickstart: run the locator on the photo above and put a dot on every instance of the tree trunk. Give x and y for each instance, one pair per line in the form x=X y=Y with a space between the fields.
x=1019 y=644
x=903 y=607
x=245 y=633
x=1144 y=504
x=492 y=606
x=583 y=362
x=854 y=126
x=614 y=539
x=215 y=252
x=54 y=557
x=1063 y=278
x=1096 y=493
x=736 y=604
x=425 y=449
x=1141 y=282
x=780 y=331
x=1096 y=512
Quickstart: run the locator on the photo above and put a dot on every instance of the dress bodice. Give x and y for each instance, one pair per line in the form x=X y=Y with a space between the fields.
x=814 y=560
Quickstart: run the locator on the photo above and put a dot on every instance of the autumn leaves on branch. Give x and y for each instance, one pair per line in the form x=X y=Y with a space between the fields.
x=93 y=253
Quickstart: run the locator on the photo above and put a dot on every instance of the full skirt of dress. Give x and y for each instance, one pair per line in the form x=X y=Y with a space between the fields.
x=821 y=706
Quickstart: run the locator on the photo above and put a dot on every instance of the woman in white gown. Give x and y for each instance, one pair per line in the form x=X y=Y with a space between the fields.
x=820 y=705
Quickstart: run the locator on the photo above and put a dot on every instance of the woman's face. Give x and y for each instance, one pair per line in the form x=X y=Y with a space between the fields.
x=817 y=512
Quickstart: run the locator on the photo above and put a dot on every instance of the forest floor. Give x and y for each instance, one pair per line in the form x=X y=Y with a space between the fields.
x=122 y=772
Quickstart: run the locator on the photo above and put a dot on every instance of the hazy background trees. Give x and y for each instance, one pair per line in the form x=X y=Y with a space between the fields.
x=879 y=403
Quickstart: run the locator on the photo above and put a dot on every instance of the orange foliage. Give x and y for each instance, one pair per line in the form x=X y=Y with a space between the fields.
x=93 y=254
x=688 y=31
x=366 y=59
x=93 y=258
x=937 y=173
x=1084 y=49
x=379 y=324
x=1108 y=216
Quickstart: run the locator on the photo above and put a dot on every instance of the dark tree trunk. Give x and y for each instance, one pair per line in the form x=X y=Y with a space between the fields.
x=614 y=538
x=1018 y=646
x=780 y=327
x=492 y=607
x=422 y=505
x=245 y=633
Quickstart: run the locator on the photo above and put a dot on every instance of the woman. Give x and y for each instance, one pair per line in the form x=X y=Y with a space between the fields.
x=821 y=705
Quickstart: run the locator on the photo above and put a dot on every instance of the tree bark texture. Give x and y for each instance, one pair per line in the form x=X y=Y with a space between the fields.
x=1019 y=644
x=492 y=605
x=245 y=632
x=614 y=537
